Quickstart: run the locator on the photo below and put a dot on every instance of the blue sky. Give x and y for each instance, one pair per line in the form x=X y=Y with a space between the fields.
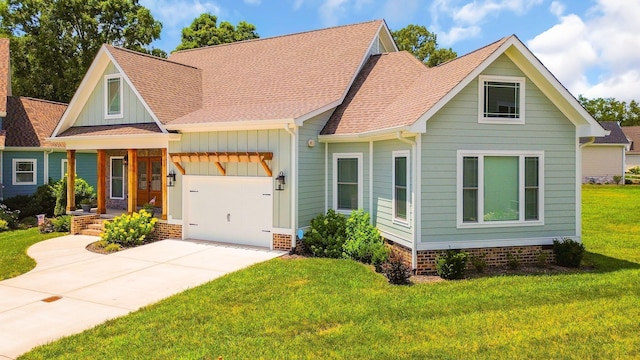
x=592 y=46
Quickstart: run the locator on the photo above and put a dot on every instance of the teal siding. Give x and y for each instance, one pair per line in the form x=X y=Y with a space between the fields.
x=382 y=212
x=455 y=127
x=10 y=190
x=86 y=166
x=311 y=166
x=276 y=140
x=363 y=148
x=93 y=113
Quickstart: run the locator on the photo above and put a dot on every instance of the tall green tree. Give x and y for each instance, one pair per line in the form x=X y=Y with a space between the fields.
x=610 y=109
x=53 y=42
x=205 y=31
x=423 y=44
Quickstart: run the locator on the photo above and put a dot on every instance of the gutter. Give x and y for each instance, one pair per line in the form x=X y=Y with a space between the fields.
x=414 y=248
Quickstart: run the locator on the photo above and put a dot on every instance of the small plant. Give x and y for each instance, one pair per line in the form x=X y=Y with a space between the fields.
x=10 y=216
x=479 y=262
x=129 y=230
x=28 y=222
x=101 y=244
x=541 y=259
x=513 y=262
x=326 y=235
x=112 y=248
x=568 y=252
x=62 y=223
x=4 y=225
x=452 y=264
x=395 y=269
x=617 y=179
x=635 y=170
x=380 y=256
x=362 y=238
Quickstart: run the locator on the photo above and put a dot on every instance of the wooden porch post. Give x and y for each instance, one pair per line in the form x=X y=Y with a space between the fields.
x=164 y=184
x=102 y=182
x=132 y=203
x=71 y=180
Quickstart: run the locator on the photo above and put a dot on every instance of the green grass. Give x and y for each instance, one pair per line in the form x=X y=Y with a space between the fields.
x=321 y=308
x=13 y=251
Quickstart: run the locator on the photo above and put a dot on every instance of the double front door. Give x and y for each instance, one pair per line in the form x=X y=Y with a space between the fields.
x=149 y=180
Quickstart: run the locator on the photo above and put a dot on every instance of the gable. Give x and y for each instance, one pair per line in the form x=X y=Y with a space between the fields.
x=93 y=112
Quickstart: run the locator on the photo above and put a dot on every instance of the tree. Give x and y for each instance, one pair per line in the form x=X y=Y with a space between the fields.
x=610 y=109
x=53 y=42
x=422 y=44
x=204 y=31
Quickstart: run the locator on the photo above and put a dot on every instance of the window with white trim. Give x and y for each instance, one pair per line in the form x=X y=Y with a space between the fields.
x=400 y=195
x=500 y=188
x=347 y=182
x=117 y=177
x=25 y=172
x=113 y=94
x=64 y=165
x=501 y=99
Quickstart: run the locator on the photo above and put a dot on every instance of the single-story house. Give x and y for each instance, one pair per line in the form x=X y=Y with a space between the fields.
x=603 y=158
x=247 y=142
x=27 y=158
x=632 y=156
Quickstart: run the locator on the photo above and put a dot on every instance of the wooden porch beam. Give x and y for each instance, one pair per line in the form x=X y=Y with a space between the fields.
x=132 y=173
x=71 y=180
x=102 y=182
x=164 y=184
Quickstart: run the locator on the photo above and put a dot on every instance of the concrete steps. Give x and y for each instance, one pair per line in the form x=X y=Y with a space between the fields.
x=95 y=228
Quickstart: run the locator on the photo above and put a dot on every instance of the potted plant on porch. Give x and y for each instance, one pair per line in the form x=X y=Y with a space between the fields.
x=150 y=207
x=86 y=204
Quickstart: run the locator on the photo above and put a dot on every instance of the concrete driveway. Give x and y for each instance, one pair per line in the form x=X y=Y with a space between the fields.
x=72 y=289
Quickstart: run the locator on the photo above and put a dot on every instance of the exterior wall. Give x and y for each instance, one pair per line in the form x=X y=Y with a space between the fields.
x=164 y=230
x=79 y=223
x=86 y=166
x=382 y=210
x=631 y=160
x=281 y=242
x=363 y=148
x=601 y=162
x=93 y=112
x=275 y=140
x=311 y=167
x=10 y=190
x=456 y=127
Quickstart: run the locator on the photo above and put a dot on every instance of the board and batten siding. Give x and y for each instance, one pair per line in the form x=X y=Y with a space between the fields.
x=311 y=170
x=455 y=127
x=93 y=112
x=341 y=148
x=382 y=209
x=603 y=161
x=275 y=140
x=86 y=166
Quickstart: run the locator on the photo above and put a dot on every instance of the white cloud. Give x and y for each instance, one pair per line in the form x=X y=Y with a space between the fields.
x=174 y=14
x=456 y=34
x=399 y=11
x=253 y=2
x=605 y=40
x=557 y=8
x=331 y=11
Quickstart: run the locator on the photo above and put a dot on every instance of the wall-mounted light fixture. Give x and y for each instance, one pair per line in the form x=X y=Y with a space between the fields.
x=125 y=160
x=171 y=178
x=280 y=181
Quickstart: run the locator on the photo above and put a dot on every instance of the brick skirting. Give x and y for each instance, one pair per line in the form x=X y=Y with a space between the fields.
x=281 y=242
x=164 y=230
x=81 y=222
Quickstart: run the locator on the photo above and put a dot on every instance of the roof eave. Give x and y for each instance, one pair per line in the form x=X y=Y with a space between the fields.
x=231 y=125
x=381 y=134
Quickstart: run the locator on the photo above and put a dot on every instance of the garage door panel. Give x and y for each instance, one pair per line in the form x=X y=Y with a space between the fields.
x=237 y=210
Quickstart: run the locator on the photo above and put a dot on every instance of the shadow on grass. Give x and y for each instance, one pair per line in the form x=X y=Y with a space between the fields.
x=602 y=263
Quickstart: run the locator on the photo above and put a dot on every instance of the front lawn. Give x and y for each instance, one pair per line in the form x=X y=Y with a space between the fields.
x=320 y=308
x=13 y=251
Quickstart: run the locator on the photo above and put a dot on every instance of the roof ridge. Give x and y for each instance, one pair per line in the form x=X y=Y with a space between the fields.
x=276 y=37
x=472 y=52
x=41 y=100
x=149 y=56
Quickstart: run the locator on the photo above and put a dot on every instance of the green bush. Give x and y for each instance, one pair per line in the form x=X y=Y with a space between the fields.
x=62 y=223
x=112 y=248
x=479 y=262
x=513 y=262
x=363 y=240
x=568 y=252
x=395 y=269
x=28 y=222
x=10 y=216
x=41 y=202
x=4 y=226
x=452 y=264
x=380 y=256
x=617 y=179
x=326 y=235
x=82 y=191
x=129 y=230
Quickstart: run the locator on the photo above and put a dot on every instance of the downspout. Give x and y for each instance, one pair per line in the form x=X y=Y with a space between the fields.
x=591 y=140
x=293 y=182
x=414 y=248
x=371 y=181
x=326 y=177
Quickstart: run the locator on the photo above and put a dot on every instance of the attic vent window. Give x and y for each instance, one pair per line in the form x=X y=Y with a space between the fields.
x=501 y=100
x=113 y=96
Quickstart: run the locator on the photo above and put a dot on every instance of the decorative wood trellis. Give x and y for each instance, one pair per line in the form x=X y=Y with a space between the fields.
x=222 y=157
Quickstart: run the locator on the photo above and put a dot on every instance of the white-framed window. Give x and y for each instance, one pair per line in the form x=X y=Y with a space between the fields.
x=113 y=96
x=117 y=177
x=500 y=188
x=25 y=172
x=501 y=99
x=400 y=173
x=347 y=182
x=64 y=165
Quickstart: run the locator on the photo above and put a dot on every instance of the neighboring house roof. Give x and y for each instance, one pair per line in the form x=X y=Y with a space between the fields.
x=633 y=134
x=396 y=89
x=108 y=130
x=616 y=135
x=5 y=72
x=30 y=121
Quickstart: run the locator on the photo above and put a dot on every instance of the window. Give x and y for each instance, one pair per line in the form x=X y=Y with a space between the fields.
x=63 y=168
x=25 y=172
x=113 y=96
x=347 y=184
x=501 y=100
x=117 y=177
x=400 y=193
x=499 y=188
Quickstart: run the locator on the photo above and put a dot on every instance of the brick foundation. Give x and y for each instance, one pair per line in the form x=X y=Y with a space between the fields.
x=81 y=222
x=164 y=230
x=281 y=242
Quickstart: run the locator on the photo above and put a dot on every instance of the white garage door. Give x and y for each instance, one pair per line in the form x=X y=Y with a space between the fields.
x=230 y=209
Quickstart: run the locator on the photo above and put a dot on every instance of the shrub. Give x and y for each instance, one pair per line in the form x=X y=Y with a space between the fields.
x=326 y=235
x=380 y=256
x=46 y=226
x=635 y=170
x=62 y=223
x=512 y=261
x=362 y=238
x=4 y=226
x=28 y=222
x=479 y=262
x=41 y=202
x=395 y=269
x=617 y=179
x=568 y=252
x=10 y=216
x=452 y=265
x=82 y=191
x=112 y=248
x=541 y=259
x=129 y=230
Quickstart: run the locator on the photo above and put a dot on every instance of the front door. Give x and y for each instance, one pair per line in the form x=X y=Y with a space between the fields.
x=149 y=180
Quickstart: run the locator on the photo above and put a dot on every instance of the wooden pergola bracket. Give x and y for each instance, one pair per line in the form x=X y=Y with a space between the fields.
x=222 y=157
